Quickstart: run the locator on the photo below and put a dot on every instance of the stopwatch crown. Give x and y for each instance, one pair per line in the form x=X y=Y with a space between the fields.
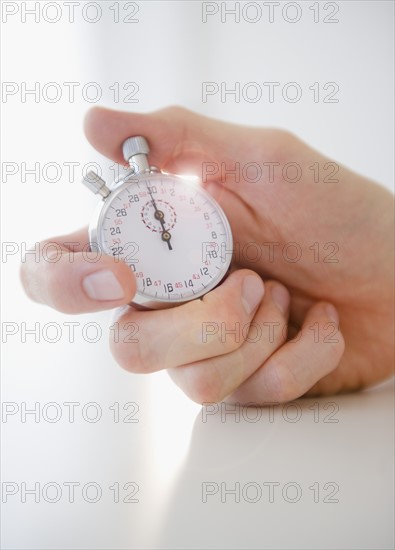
x=136 y=145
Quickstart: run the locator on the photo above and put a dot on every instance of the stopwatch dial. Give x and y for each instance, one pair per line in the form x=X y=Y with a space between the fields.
x=152 y=218
x=172 y=234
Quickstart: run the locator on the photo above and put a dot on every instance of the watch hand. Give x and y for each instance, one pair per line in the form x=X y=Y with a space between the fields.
x=159 y=215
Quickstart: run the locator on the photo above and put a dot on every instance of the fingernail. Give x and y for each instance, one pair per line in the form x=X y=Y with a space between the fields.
x=281 y=297
x=103 y=286
x=252 y=293
x=332 y=313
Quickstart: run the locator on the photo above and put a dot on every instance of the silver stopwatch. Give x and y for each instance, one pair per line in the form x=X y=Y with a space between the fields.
x=174 y=236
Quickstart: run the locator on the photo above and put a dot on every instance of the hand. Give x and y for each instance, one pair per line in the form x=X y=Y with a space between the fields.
x=340 y=266
x=160 y=216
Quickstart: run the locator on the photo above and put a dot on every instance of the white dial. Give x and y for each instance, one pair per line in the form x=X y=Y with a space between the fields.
x=172 y=234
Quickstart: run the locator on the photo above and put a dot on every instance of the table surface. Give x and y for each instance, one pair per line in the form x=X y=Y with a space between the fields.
x=150 y=469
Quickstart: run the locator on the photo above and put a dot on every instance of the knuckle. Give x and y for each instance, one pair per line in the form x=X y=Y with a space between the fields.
x=58 y=296
x=273 y=333
x=224 y=330
x=176 y=110
x=281 y=143
x=203 y=387
x=231 y=343
x=285 y=138
x=127 y=355
x=281 y=384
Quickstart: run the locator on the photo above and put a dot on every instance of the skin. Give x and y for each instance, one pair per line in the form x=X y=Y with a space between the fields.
x=339 y=314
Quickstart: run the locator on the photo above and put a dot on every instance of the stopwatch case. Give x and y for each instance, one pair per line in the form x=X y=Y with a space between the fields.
x=140 y=301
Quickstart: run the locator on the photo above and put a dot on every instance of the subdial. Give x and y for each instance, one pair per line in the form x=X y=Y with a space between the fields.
x=161 y=219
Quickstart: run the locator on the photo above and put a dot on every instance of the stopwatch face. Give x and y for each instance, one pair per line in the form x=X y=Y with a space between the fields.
x=173 y=235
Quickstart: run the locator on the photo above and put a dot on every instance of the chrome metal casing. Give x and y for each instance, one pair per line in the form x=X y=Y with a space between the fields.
x=140 y=301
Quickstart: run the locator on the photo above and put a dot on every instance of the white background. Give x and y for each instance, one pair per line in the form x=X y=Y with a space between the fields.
x=170 y=452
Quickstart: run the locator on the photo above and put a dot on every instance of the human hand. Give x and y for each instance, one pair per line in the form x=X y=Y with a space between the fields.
x=349 y=221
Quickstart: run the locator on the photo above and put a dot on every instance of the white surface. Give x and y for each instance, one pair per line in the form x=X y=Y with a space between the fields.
x=170 y=452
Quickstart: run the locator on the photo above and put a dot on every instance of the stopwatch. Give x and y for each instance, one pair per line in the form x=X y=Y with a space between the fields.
x=170 y=231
